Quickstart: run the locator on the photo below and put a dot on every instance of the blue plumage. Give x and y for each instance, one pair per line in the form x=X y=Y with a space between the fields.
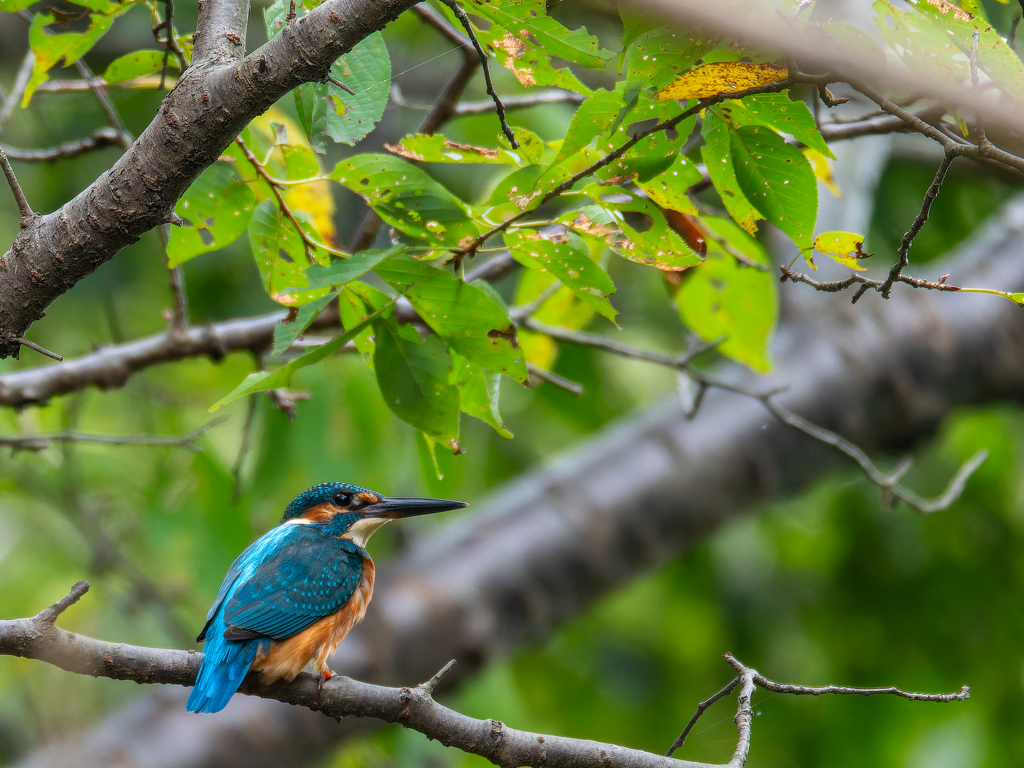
x=291 y=597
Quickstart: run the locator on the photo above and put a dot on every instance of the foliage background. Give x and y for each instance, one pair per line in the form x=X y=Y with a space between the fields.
x=825 y=588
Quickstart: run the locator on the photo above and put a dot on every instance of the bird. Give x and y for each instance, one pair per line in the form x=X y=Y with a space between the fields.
x=291 y=597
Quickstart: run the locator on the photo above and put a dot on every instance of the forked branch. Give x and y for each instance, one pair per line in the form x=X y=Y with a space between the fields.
x=413 y=707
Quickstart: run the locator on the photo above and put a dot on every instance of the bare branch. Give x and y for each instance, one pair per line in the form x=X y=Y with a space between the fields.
x=100 y=92
x=41 y=350
x=915 y=228
x=50 y=615
x=887 y=482
x=19 y=196
x=469 y=108
x=105 y=137
x=41 y=442
x=701 y=708
x=20 y=83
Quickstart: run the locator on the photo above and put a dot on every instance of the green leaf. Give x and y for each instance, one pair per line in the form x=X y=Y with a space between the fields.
x=478 y=393
x=668 y=189
x=407 y=199
x=724 y=298
x=777 y=180
x=633 y=227
x=138 y=64
x=356 y=302
x=329 y=112
x=594 y=117
x=466 y=316
x=280 y=256
x=12 y=6
x=216 y=209
x=285 y=334
x=346 y=270
x=563 y=308
x=528 y=22
x=566 y=257
x=717 y=156
x=67 y=48
x=652 y=155
x=659 y=56
x=633 y=25
x=414 y=380
x=778 y=112
x=282 y=377
x=844 y=247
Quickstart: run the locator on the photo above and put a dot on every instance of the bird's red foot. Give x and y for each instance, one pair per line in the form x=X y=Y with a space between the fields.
x=324 y=677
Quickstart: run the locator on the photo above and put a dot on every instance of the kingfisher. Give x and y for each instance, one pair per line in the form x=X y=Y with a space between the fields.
x=292 y=596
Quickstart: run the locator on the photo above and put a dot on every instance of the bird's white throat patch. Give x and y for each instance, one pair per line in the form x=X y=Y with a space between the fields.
x=361 y=530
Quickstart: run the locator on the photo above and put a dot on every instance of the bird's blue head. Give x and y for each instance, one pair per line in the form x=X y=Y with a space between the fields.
x=343 y=509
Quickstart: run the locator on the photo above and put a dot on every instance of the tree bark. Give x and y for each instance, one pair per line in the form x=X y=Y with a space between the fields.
x=884 y=374
x=210 y=104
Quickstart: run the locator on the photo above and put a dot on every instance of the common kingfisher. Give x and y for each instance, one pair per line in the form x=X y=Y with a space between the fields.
x=294 y=594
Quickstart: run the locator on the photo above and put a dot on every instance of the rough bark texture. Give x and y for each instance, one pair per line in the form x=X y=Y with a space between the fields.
x=211 y=103
x=882 y=373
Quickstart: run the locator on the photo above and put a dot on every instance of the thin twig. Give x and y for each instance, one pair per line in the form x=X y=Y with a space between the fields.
x=104 y=137
x=243 y=449
x=108 y=106
x=51 y=614
x=701 y=708
x=919 y=221
x=41 y=442
x=470 y=108
x=440 y=675
x=570 y=386
x=19 y=195
x=887 y=482
x=36 y=348
x=20 y=83
x=499 y=107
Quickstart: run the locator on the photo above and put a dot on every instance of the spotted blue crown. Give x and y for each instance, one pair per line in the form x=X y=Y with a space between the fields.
x=323 y=493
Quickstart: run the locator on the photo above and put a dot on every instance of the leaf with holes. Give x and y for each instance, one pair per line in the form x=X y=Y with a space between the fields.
x=593 y=117
x=280 y=256
x=717 y=156
x=215 y=210
x=408 y=199
x=567 y=257
x=724 y=299
x=659 y=56
x=668 y=189
x=435 y=148
x=844 y=247
x=468 y=317
x=777 y=180
x=778 y=112
x=327 y=111
x=414 y=380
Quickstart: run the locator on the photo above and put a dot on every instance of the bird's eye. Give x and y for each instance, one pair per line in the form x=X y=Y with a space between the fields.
x=342 y=499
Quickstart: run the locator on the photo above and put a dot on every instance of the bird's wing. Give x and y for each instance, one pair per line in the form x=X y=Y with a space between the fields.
x=304 y=577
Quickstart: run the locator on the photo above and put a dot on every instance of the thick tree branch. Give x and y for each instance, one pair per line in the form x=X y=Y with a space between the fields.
x=196 y=122
x=413 y=707
x=220 y=32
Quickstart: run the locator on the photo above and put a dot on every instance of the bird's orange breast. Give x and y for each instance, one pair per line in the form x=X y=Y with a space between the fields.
x=318 y=641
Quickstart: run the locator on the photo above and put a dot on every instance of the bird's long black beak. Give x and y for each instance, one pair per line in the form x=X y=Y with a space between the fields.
x=392 y=509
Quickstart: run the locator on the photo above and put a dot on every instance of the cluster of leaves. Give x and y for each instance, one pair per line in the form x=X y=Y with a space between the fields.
x=760 y=158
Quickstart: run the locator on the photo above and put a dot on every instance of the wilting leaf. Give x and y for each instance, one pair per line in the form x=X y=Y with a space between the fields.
x=844 y=247
x=716 y=78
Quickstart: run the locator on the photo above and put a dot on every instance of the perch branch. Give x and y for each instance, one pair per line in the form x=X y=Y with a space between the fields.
x=19 y=195
x=413 y=706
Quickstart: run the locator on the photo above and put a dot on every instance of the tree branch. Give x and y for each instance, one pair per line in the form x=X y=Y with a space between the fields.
x=196 y=122
x=41 y=442
x=413 y=707
x=105 y=137
x=220 y=32
x=19 y=196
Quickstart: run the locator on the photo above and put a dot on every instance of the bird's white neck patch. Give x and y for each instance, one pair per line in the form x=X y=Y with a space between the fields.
x=361 y=530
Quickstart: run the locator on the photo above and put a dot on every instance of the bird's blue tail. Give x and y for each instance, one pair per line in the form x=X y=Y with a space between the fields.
x=224 y=667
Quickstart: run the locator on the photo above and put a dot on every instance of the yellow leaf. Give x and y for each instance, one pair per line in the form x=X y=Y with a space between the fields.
x=709 y=80
x=822 y=170
x=844 y=247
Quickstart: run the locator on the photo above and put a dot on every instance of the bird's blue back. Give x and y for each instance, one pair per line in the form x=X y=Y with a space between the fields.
x=288 y=579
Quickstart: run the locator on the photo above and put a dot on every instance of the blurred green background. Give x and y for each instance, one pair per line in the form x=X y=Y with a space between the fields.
x=827 y=588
